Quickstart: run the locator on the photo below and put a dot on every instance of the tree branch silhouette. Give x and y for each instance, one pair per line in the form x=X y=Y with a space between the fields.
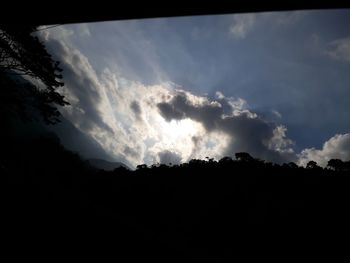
x=23 y=54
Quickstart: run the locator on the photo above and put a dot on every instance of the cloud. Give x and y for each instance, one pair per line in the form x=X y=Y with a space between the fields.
x=242 y=24
x=279 y=140
x=245 y=131
x=169 y=112
x=339 y=49
x=61 y=32
x=135 y=107
x=82 y=87
x=131 y=152
x=276 y=113
x=91 y=97
x=337 y=147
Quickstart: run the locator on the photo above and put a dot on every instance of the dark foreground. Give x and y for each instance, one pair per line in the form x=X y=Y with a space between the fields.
x=205 y=210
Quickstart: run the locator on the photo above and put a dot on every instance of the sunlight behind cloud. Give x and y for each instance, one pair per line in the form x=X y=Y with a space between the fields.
x=177 y=130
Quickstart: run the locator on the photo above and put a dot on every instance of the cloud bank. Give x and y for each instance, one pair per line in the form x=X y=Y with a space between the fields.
x=337 y=147
x=245 y=131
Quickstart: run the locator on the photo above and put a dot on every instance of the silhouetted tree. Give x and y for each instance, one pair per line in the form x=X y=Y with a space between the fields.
x=244 y=157
x=120 y=169
x=23 y=54
x=336 y=164
x=292 y=165
x=311 y=165
x=210 y=160
x=196 y=162
x=141 y=166
x=225 y=159
x=347 y=166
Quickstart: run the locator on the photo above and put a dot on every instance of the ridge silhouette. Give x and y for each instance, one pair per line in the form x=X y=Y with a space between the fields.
x=202 y=205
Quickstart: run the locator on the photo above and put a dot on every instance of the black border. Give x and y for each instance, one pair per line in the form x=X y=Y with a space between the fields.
x=63 y=12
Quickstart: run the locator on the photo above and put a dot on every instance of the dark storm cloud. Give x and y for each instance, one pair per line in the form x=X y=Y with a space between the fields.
x=180 y=107
x=169 y=112
x=248 y=133
x=166 y=157
x=251 y=135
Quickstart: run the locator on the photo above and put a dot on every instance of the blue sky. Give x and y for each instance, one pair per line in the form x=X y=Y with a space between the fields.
x=290 y=69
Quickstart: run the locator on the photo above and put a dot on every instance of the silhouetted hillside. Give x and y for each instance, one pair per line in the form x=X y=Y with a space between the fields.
x=75 y=140
x=105 y=165
x=202 y=209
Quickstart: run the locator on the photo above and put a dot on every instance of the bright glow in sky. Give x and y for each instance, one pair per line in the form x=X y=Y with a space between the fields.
x=171 y=89
x=176 y=131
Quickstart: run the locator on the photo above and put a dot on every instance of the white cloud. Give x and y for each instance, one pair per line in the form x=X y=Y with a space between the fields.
x=340 y=49
x=276 y=113
x=60 y=32
x=279 y=141
x=237 y=106
x=219 y=95
x=242 y=24
x=337 y=147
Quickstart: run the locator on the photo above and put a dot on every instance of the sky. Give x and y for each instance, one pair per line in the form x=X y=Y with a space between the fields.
x=168 y=90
